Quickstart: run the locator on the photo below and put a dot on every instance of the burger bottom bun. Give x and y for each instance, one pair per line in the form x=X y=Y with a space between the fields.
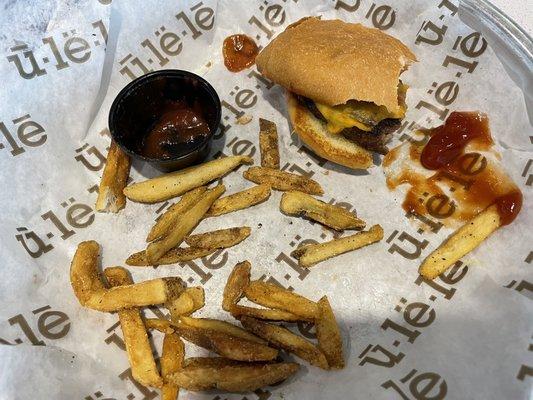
x=332 y=147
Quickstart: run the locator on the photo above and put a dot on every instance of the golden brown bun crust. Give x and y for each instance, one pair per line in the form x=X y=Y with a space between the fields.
x=332 y=61
x=332 y=147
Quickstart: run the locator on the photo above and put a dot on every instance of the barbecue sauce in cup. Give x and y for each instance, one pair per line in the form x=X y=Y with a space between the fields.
x=179 y=126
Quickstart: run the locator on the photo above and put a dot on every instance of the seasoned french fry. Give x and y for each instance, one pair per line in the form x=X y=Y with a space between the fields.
x=273 y=296
x=191 y=300
x=461 y=242
x=298 y=203
x=268 y=144
x=143 y=368
x=220 y=326
x=281 y=180
x=237 y=281
x=187 y=223
x=264 y=313
x=116 y=172
x=227 y=345
x=173 y=256
x=91 y=292
x=311 y=254
x=161 y=325
x=328 y=335
x=171 y=216
x=285 y=339
x=220 y=239
x=176 y=183
x=232 y=377
x=240 y=200
x=210 y=362
x=172 y=359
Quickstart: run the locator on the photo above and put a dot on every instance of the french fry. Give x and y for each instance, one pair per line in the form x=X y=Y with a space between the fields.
x=298 y=203
x=219 y=239
x=227 y=345
x=220 y=326
x=191 y=300
x=176 y=183
x=264 y=313
x=232 y=377
x=240 y=200
x=273 y=296
x=268 y=144
x=311 y=254
x=171 y=216
x=161 y=325
x=187 y=223
x=281 y=180
x=285 y=339
x=237 y=281
x=91 y=292
x=173 y=256
x=116 y=172
x=210 y=362
x=461 y=242
x=143 y=368
x=172 y=359
x=328 y=335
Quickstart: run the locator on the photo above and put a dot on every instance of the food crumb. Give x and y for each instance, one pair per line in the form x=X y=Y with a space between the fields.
x=244 y=119
x=208 y=65
x=326 y=172
x=259 y=225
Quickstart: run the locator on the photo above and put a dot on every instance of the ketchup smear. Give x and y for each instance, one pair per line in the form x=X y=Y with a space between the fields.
x=448 y=143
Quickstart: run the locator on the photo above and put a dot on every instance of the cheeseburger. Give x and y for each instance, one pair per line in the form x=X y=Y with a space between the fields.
x=345 y=97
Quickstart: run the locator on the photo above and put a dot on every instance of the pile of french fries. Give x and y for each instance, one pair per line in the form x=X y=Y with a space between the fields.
x=248 y=356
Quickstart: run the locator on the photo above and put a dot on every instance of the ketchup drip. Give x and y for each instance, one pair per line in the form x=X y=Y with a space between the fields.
x=443 y=153
x=239 y=52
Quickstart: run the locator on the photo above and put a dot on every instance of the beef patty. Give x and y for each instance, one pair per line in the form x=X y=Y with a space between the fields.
x=375 y=140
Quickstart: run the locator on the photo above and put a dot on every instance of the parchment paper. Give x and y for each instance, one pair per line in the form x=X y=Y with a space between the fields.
x=465 y=337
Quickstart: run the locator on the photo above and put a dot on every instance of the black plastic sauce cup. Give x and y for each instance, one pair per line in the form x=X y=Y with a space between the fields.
x=140 y=104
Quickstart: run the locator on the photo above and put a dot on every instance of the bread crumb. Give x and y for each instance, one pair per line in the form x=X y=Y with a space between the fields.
x=244 y=119
x=326 y=172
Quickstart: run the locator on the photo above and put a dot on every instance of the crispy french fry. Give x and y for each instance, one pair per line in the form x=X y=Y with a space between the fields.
x=161 y=325
x=311 y=254
x=264 y=313
x=328 y=335
x=176 y=183
x=285 y=339
x=219 y=239
x=225 y=344
x=173 y=256
x=461 y=242
x=116 y=172
x=171 y=216
x=240 y=200
x=191 y=300
x=143 y=368
x=281 y=180
x=237 y=281
x=233 y=377
x=220 y=326
x=268 y=144
x=91 y=292
x=298 y=203
x=273 y=296
x=172 y=359
x=210 y=362
x=187 y=223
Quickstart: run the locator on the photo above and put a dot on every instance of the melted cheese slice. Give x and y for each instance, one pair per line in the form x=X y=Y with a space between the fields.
x=361 y=114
